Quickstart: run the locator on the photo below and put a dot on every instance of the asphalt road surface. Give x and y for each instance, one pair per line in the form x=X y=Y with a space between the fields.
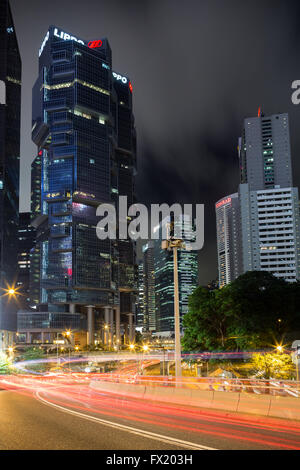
x=71 y=417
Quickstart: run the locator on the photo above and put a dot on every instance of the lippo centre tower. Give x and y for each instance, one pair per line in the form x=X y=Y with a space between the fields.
x=84 y=129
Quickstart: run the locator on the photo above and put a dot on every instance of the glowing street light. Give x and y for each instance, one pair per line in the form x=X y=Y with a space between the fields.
x=10 y=291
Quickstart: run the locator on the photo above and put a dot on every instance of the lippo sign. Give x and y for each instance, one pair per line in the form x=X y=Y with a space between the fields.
x=61 y=35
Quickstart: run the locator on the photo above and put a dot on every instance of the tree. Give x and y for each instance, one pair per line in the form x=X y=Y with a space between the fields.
x=273 y=365
x=5 y=364
x=255 y=310
x=206 y=321
x=32 y=353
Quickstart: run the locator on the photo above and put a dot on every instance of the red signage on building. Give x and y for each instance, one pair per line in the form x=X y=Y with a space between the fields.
x=94 y=44
x=223 y=202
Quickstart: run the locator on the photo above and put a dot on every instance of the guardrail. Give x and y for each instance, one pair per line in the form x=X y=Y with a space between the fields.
x=218 y=384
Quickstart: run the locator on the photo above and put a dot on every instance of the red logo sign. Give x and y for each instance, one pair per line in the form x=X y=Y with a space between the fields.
x=222 y=203
x=94 y=44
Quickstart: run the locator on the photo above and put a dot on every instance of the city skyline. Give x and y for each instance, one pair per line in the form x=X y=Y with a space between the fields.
x=163 y=81
x=135 y=110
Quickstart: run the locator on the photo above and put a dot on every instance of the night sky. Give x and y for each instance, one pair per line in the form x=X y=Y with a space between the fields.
x=198 y=68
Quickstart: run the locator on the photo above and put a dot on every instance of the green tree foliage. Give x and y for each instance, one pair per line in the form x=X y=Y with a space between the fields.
x=255 y=310
x=5 y=364
x=32 y=353
x=273 y=365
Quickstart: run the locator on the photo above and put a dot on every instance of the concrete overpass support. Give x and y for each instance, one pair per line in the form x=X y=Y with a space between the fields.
x=111 y=327
x=131 y=328
x=90 y=325
x=106 y=325
x=118 y=333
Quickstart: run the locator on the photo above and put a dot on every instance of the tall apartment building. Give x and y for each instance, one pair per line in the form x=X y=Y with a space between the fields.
x=267 y=201
x=83 y=127
x=10 y=111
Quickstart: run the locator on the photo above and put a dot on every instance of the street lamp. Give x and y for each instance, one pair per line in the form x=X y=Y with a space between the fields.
x=175 y=245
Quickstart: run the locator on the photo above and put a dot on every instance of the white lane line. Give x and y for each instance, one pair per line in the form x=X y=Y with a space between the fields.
x=139 y=432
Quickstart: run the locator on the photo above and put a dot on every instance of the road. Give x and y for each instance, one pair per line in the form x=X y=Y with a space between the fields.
x=76 y=417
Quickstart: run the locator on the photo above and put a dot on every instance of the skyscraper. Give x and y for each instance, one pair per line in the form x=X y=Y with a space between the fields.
x=267 y=228
x=26 y=243
x=83 y=127
x=265 y=153
x=148 y=292
x=228 y=239
x=164 y=281
x=10 y=105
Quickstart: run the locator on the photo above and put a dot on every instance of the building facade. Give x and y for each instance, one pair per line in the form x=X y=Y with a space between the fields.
x=228 y=238
x=148 y=289
x=265 y=152
x=164 y=281
x=270 y=228
x=10 y=107
x=83 y=127
x=26 y=244
x=266 y=214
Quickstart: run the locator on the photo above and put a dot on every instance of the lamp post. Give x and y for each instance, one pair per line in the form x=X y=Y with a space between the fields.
x=68 y=335
x=175 y=244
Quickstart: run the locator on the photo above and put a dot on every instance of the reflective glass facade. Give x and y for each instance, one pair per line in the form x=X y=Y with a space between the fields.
x=26 y=242
x=84 y=130
x=10 y=104
x=164 y=281
x=47 y=320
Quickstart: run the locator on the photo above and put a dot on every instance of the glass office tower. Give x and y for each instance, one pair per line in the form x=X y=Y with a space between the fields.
x=83 y=127
x=10 y=105
x=164 y=279
x=26 y=242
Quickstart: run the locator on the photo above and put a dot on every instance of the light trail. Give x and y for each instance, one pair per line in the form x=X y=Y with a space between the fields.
x=197 y=423
x=129 y=429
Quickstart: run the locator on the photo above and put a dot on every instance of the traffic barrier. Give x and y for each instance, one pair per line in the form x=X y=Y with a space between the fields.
x=203 y=399
x=253 y=403
x=225 y=401
x=285 y=407
x=264 y=405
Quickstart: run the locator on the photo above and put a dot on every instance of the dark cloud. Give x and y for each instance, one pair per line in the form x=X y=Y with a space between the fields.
x=198 y=68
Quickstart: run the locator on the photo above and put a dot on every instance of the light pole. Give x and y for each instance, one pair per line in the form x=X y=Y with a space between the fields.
x=67 y=333
x=175 y=244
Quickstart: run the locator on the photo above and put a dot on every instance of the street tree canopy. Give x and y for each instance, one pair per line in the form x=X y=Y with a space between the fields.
x=255 y=310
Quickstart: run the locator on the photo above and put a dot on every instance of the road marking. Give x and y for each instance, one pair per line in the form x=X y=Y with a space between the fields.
x=137 y=431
